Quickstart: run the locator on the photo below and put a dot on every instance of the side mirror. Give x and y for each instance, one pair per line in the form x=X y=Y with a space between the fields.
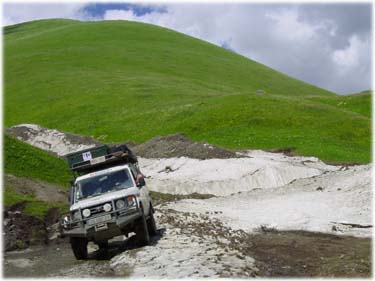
x=141 y=182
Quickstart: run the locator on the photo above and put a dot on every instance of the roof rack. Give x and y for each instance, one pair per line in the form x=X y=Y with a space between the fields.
x=100 y=157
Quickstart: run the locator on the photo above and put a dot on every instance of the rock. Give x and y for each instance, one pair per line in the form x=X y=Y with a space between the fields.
x=53 y=232
x=268 y=228
x=22 y=230
x=336 y=228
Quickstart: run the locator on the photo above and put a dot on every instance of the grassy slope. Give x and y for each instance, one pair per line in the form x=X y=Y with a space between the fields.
x=24 y=160
x=34 y=206
x=359 y=102
x=121 y=81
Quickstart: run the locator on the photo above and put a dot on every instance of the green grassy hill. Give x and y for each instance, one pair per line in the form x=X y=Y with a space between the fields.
x=118 y=80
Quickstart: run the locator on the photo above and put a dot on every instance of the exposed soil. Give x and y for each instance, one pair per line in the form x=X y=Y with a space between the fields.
x=162 y=198
x=42 y=191
x=21 y=230
x=287 y=253
x=288 y=151
x=179 y=145
x=309 y=254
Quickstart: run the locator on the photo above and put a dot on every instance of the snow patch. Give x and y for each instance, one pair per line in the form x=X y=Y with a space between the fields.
x=223 y=177
x=312 y=204
x=51 y=140
x=179 y=254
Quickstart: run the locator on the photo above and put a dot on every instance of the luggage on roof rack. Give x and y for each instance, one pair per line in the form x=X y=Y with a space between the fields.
x=100 y=157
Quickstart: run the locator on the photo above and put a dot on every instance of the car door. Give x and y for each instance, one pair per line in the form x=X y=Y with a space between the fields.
x=144 y=194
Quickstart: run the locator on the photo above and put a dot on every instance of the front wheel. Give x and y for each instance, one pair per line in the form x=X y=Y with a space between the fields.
x=151 y=224
x=141 y=231
x=103 y=244
x=79 y=247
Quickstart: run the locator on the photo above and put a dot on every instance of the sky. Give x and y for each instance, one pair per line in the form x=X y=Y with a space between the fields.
x=328 y=45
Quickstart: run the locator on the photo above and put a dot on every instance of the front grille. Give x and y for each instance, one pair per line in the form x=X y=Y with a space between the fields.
x=96 y=210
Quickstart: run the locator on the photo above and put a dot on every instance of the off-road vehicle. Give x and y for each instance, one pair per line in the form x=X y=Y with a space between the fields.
x=108 y=198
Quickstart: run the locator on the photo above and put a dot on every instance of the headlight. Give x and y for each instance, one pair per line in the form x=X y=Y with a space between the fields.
x=120 y=204
x=107 y=207
x=131 y=201
x=65 y=221
x=86 y=213
x=76 y=215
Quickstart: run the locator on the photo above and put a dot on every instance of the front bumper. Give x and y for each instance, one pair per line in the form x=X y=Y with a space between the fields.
x=105 y=230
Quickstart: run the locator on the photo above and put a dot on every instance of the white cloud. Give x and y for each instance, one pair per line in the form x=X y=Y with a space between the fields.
x=353 y=63
x=120 y=15
x=287 y=25
x=349 y=57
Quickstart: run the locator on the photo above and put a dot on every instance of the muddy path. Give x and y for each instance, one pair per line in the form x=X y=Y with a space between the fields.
x=53 y=261
x=58 y=260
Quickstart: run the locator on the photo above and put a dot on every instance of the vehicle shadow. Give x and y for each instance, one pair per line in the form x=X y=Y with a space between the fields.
x=117 y=247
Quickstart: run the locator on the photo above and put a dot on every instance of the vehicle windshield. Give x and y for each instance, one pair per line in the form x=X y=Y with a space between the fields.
x=98 y=185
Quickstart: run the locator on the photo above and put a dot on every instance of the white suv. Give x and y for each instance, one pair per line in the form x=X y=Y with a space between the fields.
x=108 y=203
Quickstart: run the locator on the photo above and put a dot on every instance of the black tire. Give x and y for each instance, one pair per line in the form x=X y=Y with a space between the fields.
x=79 y=247
x=151 y=224
x=102 y=244
x=141 y=231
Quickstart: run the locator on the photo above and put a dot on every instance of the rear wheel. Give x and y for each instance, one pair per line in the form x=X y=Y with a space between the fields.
x=151 y=224
x=79 y=247
x=141 y=231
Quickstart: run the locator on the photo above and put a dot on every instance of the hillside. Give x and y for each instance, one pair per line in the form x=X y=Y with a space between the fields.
x=118 y=80
x=358 y=102
x=30 y=171
x=24 y=160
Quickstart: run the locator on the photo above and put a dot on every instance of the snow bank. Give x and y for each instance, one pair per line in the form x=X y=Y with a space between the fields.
x=51 y=140
x=276 y=190
x=222 y=177
x=326 y=203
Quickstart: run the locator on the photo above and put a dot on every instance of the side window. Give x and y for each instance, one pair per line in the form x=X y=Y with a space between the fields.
x=133 y=171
